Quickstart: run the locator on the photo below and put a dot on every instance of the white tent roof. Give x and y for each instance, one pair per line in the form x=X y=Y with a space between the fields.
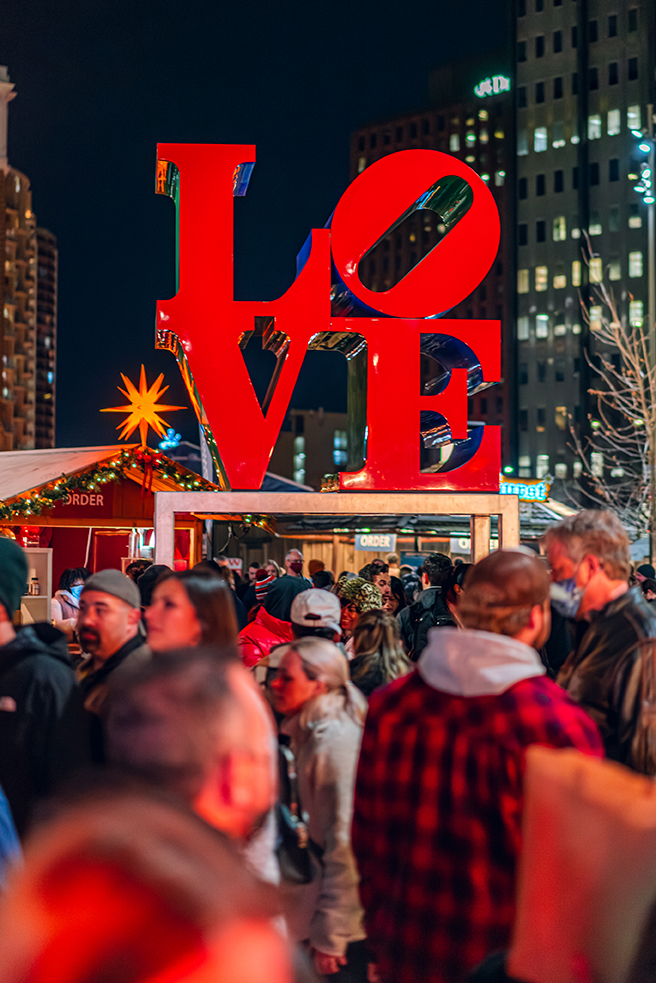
x=20 y=471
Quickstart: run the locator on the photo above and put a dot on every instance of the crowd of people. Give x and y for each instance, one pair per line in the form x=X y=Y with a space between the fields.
x=358 y=778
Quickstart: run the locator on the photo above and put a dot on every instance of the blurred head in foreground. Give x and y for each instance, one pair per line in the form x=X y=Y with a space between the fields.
x=194 y=722
x=127 y=887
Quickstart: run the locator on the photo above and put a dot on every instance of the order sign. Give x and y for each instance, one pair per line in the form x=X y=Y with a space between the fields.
x=376 y=541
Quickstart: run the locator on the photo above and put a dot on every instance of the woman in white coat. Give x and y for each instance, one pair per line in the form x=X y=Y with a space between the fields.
x=324 y=717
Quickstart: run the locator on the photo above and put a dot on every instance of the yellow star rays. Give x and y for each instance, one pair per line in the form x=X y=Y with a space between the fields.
x=143 y=408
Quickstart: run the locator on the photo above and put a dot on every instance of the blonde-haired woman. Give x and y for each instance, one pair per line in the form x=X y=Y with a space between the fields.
x=378 y=654
x=324 y=717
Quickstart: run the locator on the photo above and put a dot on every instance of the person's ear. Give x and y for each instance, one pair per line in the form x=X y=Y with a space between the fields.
x=134 y=617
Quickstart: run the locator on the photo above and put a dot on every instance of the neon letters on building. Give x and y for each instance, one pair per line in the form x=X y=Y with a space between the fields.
x=383 y=334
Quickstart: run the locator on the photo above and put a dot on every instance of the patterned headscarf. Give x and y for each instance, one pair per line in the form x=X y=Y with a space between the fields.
x=363 y=595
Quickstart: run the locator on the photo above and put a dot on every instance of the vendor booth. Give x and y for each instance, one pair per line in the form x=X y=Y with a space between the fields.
x=93 y=507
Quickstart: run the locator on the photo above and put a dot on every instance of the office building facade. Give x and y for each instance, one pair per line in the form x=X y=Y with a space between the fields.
x=584 y=80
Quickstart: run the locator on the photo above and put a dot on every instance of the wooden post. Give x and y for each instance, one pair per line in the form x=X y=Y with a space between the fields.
x=480 y=536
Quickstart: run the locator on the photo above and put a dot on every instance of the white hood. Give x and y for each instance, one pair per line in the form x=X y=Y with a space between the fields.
x=476 y=663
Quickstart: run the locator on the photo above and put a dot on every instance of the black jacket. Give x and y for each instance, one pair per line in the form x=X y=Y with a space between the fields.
x=43 y=726
x=433 y=598
x=611 y=675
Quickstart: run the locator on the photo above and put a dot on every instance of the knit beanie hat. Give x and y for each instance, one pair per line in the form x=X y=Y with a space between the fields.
x=115 y=583
x=365 y=596
x=13 y=575
x=263 y=581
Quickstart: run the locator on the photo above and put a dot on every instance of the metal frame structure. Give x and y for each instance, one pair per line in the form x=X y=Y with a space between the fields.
x=478 y=506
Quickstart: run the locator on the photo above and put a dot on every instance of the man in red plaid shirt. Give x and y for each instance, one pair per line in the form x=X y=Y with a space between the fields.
x=436 y=829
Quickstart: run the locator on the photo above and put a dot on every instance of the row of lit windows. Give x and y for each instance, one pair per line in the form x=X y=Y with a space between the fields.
x=594 y=173
x=540 y=41
x=636 y=318
x=595 y=227
x=542 y=460
x=595 y=131
x=596 y=273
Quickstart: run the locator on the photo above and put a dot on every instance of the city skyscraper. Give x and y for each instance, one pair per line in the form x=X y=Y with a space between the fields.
x=584 y=80
x=28 y=301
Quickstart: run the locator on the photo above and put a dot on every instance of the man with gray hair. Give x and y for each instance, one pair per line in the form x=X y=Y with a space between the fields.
x=610 y=673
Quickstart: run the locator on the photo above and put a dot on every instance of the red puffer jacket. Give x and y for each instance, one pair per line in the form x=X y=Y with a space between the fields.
x=258 y=638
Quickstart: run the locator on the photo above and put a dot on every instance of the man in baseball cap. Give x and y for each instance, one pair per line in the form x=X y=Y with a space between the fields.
x=316 y=612
x=108 y=629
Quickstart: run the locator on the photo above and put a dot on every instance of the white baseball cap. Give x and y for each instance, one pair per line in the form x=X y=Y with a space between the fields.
x=317 y=609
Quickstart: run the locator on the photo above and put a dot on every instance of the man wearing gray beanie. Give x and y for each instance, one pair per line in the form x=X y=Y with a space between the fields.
x=43 y=726
x=108 y=630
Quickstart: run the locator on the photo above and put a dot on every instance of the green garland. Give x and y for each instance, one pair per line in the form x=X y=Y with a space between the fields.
x=101 y=474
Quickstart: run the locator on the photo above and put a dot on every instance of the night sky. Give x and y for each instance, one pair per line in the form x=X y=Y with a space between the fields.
x=101 y=82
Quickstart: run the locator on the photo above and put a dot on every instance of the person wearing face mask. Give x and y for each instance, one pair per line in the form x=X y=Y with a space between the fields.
x=294 y=565
x=610 y=672
x=65 y=605
x=439 y=792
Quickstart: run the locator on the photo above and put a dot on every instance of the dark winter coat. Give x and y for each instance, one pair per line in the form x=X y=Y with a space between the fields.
x=611 y=675
x=433 y=598
x=43 y=726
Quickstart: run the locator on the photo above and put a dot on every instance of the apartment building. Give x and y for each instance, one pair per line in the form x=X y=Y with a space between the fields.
x=470 y=116
x=584 y=81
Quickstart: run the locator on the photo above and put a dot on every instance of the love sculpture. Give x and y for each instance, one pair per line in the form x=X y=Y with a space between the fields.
x=328 y=307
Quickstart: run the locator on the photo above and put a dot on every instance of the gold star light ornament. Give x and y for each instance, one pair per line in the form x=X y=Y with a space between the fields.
x=143 y=409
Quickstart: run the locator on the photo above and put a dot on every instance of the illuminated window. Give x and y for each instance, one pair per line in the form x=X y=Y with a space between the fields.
x=635 y=218
x=499 y=178
x=635 y=264
x=558 y=134
x=483 y=136
x=561 y=469
x=595 y=224
x=633 y=117
x=594 y=127
x=576 y=273
x=470 y=138
x=541 y=278
x=540 y=139
x=595 y=318
x=482 y=114
x=522 y=282
x=362 y=163
x=614 y=122
x=498 y=133
x=454 y=143
x=542 y=466
x=522 y=328
x=559 y=281
x=560 y=329
x=560 y=418
x=636 y=316
x=576 y=329
x=541 y=418
x=597 y=464
x=522 y=143
x=524 y=466
x=51 y=377
x=577 y=468
x=614 y=269
x=542 y=326
x=559 y=228
x=596 y=270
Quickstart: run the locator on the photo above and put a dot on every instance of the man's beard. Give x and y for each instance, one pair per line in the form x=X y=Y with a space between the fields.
x=89 y=639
